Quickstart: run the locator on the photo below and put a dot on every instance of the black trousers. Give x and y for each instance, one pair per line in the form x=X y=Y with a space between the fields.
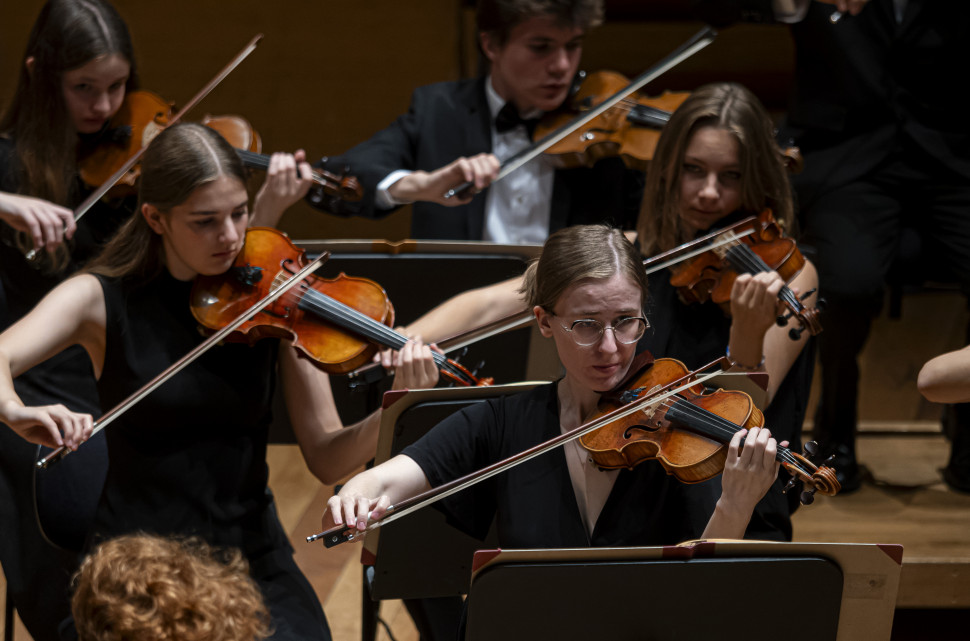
x=856 y=231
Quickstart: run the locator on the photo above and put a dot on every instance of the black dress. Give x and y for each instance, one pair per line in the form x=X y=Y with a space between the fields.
x=534 y=504
x=698 y=334
x=190 y=459
x=60 y=500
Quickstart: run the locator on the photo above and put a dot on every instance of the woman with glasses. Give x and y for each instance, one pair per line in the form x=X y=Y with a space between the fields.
x=716 y=162
x=587 y=292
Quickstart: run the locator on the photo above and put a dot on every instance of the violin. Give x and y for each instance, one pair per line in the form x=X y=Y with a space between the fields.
x=697 y=42
x=143 y=115
x=753 y=245
x=630 y=129
x=621 y=416
x=688 y=432
x=338 y=323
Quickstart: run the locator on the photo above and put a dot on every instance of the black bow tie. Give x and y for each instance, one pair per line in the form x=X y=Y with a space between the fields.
x=508 y=118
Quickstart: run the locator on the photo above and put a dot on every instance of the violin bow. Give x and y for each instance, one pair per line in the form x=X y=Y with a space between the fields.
x=98 y=193
x=677 y=255
x=344 y=533
x=176 y=367
x=700 y=40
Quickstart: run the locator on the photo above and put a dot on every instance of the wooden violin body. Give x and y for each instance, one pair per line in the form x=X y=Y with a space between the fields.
x=629 y=130
x=751 y=246
x=659 y=432
x=689 y=432
x=267 y=258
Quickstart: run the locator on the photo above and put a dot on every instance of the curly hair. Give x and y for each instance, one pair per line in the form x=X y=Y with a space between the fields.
x=148 y=588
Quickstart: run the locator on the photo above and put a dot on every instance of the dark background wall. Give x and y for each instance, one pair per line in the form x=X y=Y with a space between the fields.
x=328 y=73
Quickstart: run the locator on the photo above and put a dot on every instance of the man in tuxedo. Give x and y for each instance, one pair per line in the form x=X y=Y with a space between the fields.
x=456 y=132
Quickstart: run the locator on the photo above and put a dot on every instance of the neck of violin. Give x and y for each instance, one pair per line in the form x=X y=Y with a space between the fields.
x=706 y=423
x=261 y=161
x=350 y=319
x=745 y=261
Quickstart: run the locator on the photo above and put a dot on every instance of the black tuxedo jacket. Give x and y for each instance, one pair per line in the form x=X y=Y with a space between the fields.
x=868 y=85
x=451 y=119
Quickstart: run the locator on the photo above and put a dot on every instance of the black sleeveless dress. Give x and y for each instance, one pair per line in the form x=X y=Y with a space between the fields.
x=190 y=459
x=56 y=504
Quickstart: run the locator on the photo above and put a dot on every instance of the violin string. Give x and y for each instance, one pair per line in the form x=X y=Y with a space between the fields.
x=744 y=259
x=358 y=322
x=261 y=161
x=713 y=425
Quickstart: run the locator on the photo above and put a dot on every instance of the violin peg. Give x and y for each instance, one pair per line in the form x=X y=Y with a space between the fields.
x=811 y=448
x=790 y=485
x=820 y=305
x=782 y=319
x=808 y=293
x=807 y=497
x=795 y=333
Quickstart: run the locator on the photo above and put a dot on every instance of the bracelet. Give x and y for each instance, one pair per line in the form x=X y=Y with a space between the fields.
x=757 y=368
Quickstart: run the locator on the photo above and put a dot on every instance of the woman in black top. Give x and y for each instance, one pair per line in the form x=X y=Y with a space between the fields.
x=189 y=459
x=716 y=162
x=587 y=292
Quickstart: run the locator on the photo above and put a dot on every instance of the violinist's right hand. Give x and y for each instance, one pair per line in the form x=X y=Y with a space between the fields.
x=425 y=186
x=390 y=482
x=49 y=425
x=48 y=224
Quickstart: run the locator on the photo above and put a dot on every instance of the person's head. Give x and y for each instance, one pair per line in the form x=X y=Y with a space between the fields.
x=78 y=66
x=533 y=47
x=589 y=277
x=192 y=209
x=148 y=588
x=716 y=156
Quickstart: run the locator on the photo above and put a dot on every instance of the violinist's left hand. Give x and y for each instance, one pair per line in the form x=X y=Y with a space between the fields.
x=748 y=474
x=414 y=366
x=754 y=301
x=288 y=179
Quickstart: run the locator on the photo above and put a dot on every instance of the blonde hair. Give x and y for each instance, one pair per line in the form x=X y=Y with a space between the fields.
x=179 y=160
x=148 y=588
x=579 y=253
x=764 y=183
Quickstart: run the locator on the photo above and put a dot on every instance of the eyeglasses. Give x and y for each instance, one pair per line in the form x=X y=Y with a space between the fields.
x=587 y=331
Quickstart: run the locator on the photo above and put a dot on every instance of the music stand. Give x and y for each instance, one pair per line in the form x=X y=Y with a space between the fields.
x=421 y=555
x=417 y=276
x=744 y=590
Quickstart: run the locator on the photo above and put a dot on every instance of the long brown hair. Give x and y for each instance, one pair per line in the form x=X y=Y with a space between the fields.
x=67 y=35
x=577 y=253
x=764 y=182
x=179 y=160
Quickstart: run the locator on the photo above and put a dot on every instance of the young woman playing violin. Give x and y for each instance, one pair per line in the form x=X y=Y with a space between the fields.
x=587 y=292
x=189 y=459
x=74 y=75
x=76 y=72
x=716 y=162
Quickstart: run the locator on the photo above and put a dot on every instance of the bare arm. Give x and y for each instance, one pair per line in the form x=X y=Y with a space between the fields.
x=331 y=450
x=370 y=493
x=754 y=307
x=469 y=310
x=946 y=378
x=72 y=313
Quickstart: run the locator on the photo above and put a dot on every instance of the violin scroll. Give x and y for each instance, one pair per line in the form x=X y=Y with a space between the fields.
x=817 y=478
